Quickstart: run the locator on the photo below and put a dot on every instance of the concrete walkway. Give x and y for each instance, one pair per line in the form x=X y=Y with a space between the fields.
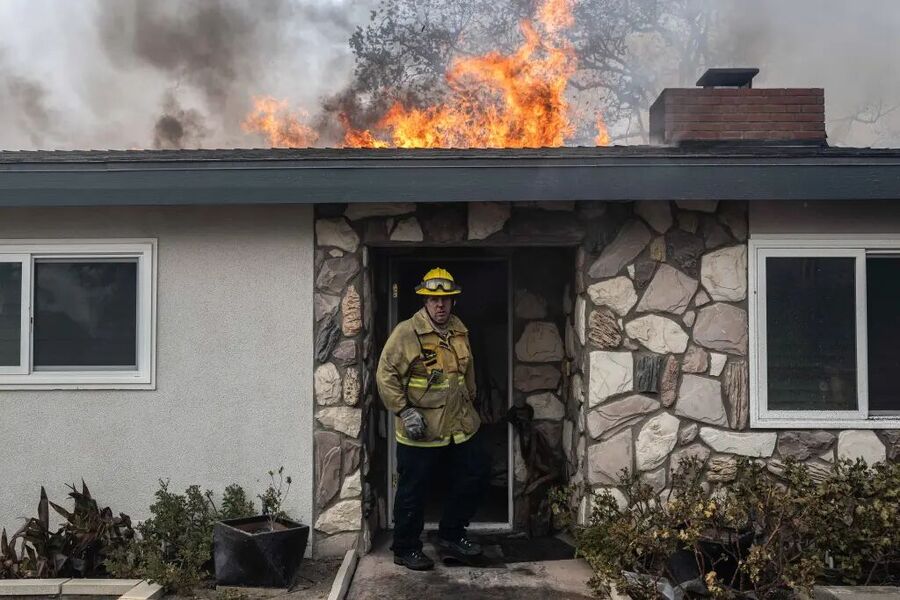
x=378 y=577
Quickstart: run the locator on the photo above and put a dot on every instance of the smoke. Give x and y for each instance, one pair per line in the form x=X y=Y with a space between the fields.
x=178 y=127
x=848 y=48
x=209 y=46
x=27 y=100
x=182 y=73
x=24 y=102
x=164 y=73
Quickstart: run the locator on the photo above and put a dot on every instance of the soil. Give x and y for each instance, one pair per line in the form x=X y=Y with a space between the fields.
x=314 y=581
x=262 y=524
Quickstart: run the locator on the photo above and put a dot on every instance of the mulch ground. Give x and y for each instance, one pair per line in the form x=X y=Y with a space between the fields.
x=313 y=583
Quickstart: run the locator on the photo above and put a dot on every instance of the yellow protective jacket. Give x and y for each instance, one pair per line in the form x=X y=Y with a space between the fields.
x=420 y=368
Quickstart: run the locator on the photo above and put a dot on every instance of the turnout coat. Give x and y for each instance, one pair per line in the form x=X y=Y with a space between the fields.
x=432 y=373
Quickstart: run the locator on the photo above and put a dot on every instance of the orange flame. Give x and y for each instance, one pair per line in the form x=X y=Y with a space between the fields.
x=495 y=100
x=283 y=127
x=556 y=15
x=354 y=138
x=602 y=138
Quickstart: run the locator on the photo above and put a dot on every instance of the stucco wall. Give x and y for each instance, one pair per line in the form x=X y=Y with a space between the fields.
x=865 y=217
x=234 y=366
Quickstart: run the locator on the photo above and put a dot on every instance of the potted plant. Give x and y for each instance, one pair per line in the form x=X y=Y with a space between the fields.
x=261 y=551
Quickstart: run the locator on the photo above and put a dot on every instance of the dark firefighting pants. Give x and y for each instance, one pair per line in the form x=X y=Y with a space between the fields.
x=468 y=468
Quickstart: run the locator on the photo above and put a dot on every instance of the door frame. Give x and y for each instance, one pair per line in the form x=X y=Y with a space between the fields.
x=392 y=316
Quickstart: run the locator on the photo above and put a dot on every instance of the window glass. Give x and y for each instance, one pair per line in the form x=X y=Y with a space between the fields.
x=811 y=333
x=883 y=291
x=85 y=314
x=10 y=314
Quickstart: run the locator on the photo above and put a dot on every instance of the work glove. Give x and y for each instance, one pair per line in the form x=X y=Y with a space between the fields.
x=414 y=423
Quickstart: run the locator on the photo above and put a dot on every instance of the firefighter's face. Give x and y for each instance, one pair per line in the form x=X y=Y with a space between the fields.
x=439 y=308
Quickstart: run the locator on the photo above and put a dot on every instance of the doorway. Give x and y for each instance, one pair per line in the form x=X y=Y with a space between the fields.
x=484 y=307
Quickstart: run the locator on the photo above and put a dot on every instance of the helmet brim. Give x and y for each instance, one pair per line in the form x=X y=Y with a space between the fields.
x=425 y=292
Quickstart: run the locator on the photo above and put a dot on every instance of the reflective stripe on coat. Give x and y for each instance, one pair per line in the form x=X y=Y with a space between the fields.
x=436 y=375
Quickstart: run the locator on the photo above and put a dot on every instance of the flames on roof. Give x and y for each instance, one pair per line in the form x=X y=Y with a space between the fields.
x=496 y=100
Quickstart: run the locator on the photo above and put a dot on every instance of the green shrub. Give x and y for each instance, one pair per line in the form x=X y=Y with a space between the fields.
x=272 y=499
x=174 y=547
x=777 y=532
x=175 y=544
x=235 y=504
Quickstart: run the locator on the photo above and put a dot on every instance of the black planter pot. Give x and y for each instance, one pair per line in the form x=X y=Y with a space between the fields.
x=248 y=553
x=715 y=554
x=719 y=553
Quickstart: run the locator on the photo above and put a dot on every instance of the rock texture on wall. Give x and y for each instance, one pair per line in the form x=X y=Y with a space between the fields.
x=542 y=347
x=341 y=380
x=681 y=308
x=346 y=505
x=640 y=361
x=662 y=348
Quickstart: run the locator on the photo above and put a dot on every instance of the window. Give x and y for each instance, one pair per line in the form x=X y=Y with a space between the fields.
x=824 y=328
x=77 y=315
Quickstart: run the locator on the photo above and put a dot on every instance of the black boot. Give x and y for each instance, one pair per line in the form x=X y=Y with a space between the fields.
x=462 y=546
x=415 y=560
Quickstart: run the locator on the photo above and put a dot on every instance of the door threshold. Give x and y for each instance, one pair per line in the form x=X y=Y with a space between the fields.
x=480 y=527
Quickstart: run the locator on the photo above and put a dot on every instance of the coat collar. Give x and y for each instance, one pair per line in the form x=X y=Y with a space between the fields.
x=422 y=323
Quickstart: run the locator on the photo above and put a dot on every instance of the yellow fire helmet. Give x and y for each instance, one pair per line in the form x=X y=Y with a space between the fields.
x=438 y=282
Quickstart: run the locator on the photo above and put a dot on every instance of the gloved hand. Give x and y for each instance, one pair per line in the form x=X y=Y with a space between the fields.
x=414 y=423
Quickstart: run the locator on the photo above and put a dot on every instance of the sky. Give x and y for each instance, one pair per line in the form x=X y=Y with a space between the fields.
x=103 y=73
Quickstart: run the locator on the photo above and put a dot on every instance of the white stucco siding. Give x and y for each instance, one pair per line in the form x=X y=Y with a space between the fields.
x=233 y=394
x=823 y=217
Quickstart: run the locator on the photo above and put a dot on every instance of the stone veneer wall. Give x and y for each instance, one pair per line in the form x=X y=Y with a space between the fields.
x=342 y=383
x=661 y=340
x=655 y=345
x=540 y=364
x=346 y=505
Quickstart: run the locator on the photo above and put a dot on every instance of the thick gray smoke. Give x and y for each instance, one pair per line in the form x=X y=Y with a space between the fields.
x=177 y=127
x=848 y=47
x=205 y=45
x=163 y=73
x=183 y=73
x=26 y=99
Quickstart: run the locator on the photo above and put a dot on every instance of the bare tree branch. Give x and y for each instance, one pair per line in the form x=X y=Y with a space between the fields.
x=627 y=51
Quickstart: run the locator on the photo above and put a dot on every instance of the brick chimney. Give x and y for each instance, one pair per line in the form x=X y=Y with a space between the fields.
x=726 y=108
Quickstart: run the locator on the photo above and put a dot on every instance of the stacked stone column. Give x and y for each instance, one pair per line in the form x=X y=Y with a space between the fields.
x=341 y=378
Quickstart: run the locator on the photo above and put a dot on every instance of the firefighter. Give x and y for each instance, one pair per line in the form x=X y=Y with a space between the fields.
x=426 y=378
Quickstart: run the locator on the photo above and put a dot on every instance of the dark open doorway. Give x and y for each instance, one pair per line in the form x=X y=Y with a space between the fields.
x=484 y=307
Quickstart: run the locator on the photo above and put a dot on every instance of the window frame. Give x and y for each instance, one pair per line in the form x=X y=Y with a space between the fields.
x=24 y=316
x=25 y=377
x=858 y=247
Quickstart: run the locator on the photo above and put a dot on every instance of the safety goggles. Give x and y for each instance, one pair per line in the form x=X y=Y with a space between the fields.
x=433 y=285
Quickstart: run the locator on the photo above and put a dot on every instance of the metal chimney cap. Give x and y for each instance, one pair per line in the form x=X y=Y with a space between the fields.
x=728 y=78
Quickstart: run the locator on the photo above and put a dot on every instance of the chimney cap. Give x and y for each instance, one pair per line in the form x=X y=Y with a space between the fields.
x=728 y=78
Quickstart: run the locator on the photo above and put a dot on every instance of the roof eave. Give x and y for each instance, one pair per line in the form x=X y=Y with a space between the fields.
x=451 y=179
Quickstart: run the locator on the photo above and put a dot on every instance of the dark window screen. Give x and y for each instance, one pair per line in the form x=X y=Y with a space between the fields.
x=10 y=314
x=811 y=333
x=883 y=309
x=85 y=314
